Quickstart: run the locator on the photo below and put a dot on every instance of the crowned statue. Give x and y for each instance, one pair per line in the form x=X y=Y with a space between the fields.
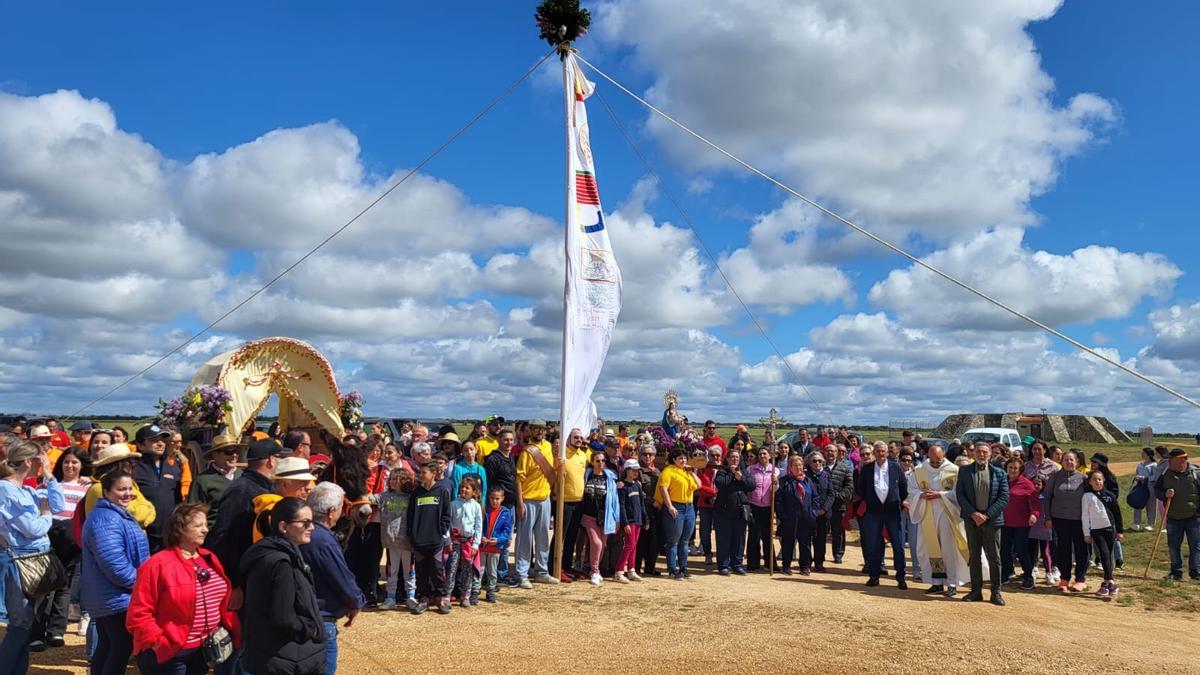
x=672 y=420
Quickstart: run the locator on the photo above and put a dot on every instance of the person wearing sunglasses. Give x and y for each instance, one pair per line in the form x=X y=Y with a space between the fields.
x=220 y=473
x=284 y=631
x=180 y=598
x=647 y=546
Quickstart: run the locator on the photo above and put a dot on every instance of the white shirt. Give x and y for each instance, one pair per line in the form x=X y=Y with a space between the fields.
x=881 y=481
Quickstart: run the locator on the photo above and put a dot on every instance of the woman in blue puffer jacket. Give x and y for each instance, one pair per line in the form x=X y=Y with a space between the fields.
x=114 y=546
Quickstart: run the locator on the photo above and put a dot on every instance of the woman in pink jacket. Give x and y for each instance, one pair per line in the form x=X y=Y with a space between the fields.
x=1023 y=511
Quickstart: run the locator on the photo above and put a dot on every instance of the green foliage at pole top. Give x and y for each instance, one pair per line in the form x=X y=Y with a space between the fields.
x=561 y=21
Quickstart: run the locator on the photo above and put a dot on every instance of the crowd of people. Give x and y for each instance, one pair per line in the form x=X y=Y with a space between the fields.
x=250 y=554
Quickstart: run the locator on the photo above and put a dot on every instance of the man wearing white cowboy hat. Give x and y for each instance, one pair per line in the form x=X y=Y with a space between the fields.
x=220 y=473
x=118 y=457
x=293 y=478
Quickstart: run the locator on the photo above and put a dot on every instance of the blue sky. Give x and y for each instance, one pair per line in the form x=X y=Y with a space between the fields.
x=397 y=79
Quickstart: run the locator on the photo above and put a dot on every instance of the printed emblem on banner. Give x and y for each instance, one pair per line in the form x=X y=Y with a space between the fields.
x=585 y=143
x=599 y=265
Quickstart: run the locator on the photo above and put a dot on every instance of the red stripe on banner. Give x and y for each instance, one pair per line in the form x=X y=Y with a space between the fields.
x=586 y=191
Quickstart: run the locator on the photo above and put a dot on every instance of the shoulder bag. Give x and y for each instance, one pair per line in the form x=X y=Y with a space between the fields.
x=40 y=573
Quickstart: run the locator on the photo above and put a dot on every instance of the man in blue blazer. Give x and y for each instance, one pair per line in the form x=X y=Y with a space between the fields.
x=982 y=492
x=883 y=487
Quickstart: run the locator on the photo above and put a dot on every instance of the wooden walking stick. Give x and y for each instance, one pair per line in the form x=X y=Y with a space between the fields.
x=1162 y=525
x=771 y=526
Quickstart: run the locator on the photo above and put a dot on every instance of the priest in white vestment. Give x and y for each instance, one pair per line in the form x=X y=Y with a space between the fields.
x=941 y=542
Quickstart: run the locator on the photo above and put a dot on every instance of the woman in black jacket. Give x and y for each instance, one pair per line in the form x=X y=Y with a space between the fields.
x=729 y=513
x=283 y=630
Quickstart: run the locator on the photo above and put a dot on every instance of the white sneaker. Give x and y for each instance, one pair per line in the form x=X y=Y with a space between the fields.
x=84 y=622
x=525 y=583
x=596 y=579
x=388 y=604
x=632 y=576
x=546 y=579
x=619 y=577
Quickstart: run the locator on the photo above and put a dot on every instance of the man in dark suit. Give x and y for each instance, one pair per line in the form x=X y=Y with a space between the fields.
x=883 y=487
x=982 y=492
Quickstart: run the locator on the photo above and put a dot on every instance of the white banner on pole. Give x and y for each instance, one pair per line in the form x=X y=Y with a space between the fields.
x=592 y=296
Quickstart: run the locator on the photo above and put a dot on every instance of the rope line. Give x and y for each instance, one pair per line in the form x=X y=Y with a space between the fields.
x=889 y=245
x=708 y=252
x=428 y=158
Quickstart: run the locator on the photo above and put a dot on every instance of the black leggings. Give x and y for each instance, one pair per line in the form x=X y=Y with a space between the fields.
x=758 y=541
x=114 y=646
x=1105 y=543
x=1071 y=545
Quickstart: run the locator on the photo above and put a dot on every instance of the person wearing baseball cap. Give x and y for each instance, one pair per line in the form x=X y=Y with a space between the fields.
x=490 y=441
x=233 y=528
x=81 y=432
x=219 y=475
x=158 y=477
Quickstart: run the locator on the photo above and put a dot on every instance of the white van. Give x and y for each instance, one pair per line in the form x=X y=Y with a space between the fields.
x=1009 y=437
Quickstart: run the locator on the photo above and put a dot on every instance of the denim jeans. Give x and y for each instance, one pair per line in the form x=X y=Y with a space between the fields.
x=706 y=530
x=731 y=539
x=186 y=662
x=502 y=567
x=14 y=651
x=331 y=648
x=1177 y=529
x=677 y=531
x=533 y=539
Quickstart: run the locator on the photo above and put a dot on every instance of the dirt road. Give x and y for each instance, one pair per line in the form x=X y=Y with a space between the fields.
x=827 y=622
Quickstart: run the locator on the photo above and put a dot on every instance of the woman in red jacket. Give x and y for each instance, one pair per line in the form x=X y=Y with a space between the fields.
x=1023 y=511
x=706 y=498
x=181 y=597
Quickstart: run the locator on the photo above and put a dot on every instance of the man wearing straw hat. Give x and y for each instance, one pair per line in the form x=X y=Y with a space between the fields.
x=220 y=473
x=1179 y=487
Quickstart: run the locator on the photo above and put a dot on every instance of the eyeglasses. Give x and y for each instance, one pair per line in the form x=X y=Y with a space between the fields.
x=303 y=523
x=710 y=428
x=906 y=459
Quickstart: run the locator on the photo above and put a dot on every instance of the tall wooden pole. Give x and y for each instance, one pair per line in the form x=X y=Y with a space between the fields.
x=564 y=433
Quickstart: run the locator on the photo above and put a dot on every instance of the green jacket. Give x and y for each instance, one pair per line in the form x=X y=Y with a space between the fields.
x=208 y=487
x=1186 y=502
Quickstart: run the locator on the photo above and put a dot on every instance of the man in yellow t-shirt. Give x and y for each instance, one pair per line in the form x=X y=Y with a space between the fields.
x=573 y=470
x=485 y=445
x=534 y=472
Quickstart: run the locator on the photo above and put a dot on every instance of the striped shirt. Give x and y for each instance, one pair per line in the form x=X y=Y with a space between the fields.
x=208 y=604
x=73 y=493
